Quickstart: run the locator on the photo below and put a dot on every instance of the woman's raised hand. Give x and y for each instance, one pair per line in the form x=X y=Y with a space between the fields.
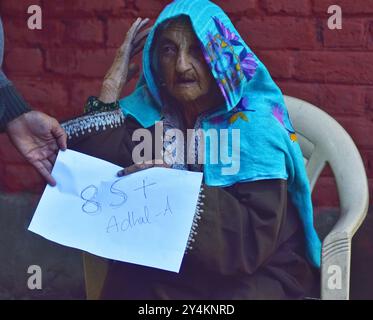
x=121 y=70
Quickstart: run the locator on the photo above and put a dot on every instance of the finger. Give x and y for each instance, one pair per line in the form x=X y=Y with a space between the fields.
x=139 y=42
x=44 y=152
x=59 y=134
x=124 y=52
x=143 y=34
x=135 y=168
x=137 y=25
x=128 y=39
x=132 y=31
x=138 y=48
x=52 y=148
x=122 y=173
x=162 y=165
x=38 y=165
x=142 y=23
x=52 y=158
x=47 y=165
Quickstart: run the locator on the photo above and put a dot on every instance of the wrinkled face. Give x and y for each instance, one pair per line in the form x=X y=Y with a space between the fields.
x=182 y=66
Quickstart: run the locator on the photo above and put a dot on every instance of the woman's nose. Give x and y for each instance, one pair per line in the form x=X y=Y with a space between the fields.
x=183 y=62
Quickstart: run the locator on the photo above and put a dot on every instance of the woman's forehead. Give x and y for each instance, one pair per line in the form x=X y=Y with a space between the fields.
x=177 y=30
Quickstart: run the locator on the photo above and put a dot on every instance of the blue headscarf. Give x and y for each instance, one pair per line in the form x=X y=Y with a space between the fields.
x=253 y=104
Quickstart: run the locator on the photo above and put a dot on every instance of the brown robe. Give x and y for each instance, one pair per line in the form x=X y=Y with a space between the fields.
x=249 y=242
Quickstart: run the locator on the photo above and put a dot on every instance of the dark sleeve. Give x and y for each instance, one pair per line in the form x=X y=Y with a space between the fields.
x=242 y=226
x=12 y=105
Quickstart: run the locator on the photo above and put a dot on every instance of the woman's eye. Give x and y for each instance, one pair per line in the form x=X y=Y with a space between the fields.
x=168 y=49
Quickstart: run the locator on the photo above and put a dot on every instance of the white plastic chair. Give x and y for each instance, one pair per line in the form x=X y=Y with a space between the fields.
x=323 y=140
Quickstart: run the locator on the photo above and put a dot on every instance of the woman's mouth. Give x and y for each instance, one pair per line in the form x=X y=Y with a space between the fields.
x=186 y=82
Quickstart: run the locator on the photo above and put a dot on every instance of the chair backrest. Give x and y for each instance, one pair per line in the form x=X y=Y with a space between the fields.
x=323 y=140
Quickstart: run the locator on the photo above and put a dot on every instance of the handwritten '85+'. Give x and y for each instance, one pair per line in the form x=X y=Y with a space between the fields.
x=94 y=198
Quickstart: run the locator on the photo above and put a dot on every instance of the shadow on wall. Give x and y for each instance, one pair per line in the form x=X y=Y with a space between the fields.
x=62 y=267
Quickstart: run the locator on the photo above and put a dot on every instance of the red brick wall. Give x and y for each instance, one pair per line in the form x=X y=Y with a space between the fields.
x=58 y=67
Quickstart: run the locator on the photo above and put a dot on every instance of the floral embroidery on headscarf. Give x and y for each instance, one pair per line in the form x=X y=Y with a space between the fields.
x=230 y=67
x=278 y=113
x=236 y=113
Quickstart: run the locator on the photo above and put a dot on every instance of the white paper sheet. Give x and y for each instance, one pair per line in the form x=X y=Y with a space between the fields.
x=143 y=218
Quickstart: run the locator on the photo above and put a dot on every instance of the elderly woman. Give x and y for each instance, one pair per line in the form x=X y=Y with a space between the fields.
x=255 y=237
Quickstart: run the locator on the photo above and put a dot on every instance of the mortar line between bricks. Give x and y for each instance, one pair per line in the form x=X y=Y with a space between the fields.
x=322 y=82
x=294 y=80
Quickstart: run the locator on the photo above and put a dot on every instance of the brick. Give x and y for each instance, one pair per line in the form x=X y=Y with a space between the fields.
x=370 y=36
x=367 y=156
x=83 y=8
x=19 y=7
x=347 y=6
x=85 y=31
x=150 y=8
x=304 y=91
x=325 y=193
x=24 y=61
x=333 y=99
x=370 y=182
x=359 y=128
x=49 y=96
x=340 y=67
x=61 y=61
x=94 y=63
x=327 y=171
x=247 y=7
x=352 y=34
x=369 y=102
x=279 y=63
x=19 y=178
x=117 y=30
x=18 y=34
x=278 y=33
x=289 y=7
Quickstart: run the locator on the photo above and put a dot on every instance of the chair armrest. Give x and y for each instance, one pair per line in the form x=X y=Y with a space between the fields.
x=335 y=266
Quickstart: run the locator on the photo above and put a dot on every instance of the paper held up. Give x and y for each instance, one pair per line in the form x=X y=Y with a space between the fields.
x=143 y=218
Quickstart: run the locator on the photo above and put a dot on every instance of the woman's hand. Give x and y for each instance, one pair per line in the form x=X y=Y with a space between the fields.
x=122 y=71
x=141 y=166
